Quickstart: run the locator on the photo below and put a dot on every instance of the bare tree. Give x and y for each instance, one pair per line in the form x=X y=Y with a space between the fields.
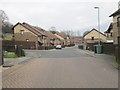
x=5 y=24
x=3 y=16
x=52 y=29
x=78 y=33
x=0 y=28
x=69 y=32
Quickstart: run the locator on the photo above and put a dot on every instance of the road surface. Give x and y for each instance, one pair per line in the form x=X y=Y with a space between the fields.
x=66 y=68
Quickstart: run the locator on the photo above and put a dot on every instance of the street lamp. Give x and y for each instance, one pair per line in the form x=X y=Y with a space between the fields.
x=98 y=22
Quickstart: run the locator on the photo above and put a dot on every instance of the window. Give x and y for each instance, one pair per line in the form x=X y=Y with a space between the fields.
x=111 y=34
x=92 y=38
x=107 y=35
x=118 y=21
x=21 y=31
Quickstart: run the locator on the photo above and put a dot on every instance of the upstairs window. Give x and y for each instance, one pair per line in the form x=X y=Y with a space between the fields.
x=118 y=21
x=92 y=38
x=22 y=32
x=111 y=34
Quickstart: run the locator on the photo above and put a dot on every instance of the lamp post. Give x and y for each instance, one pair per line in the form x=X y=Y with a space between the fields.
x=98 y=22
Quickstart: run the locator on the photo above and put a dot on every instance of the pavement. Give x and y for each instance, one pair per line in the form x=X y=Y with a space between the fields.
x=66 y=68
x=109 y=58
x=8 y=62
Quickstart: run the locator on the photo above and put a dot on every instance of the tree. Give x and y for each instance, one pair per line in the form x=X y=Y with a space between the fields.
x=3 y=16
x=52 y=29
x=78 y=33
x=6 y=25
x=7 y=28
x=69 y=32
x=0 y=29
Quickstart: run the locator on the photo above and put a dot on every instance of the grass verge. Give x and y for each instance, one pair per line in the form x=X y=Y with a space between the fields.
x=10 y=55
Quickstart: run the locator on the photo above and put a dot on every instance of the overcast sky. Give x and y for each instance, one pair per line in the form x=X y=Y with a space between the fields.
x=63 y=14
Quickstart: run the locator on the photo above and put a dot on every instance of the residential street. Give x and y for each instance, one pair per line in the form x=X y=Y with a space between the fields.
x=66 y=68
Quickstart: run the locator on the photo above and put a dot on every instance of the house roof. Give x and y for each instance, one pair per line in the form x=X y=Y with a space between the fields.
x=93 y=30
x=115 y=13
x=29 y=28
x=59 y=37
x=109 y=28
x=47 y=33
x=50 y=35
x=61 y=34
x=33 y=29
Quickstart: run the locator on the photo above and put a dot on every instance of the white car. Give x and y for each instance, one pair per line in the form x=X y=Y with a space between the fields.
x=58 y=47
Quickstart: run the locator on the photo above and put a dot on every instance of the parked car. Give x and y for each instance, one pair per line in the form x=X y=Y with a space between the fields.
x=58 y=47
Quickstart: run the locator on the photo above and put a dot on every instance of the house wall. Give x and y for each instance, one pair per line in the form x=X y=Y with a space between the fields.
x=95 y=34
x=115 y=19
x=61 y=41
x=109 y=37
x=115 y=33
x=26 y=34
x=56 y=42
x=116 y=29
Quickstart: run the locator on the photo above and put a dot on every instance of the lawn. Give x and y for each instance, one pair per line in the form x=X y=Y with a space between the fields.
x=10 y=55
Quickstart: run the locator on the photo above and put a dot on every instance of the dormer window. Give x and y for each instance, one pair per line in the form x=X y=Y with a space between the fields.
x=22 y=32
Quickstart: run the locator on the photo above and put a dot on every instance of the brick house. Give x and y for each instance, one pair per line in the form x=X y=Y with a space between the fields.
x=94 y=36
x=116 y=25
x=109 y=34
x=65 y=39
x=25 y=32
x=51 y=39
x=116 y=32
x=78 y=39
